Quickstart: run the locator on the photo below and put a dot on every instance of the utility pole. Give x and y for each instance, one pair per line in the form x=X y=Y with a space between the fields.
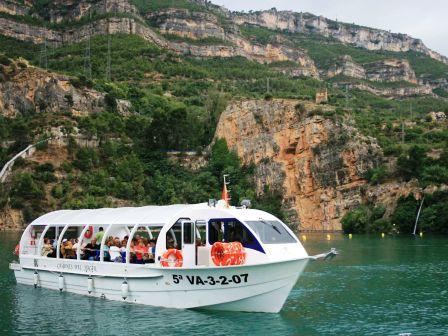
x=346 y=97
x=108 y=54
x=87 y=56
x=402 y=128
x=346 y=102
x=108 y=46
x=43 y=61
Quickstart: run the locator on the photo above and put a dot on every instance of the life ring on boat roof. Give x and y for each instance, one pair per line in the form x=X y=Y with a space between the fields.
x=228 y=254
x=89 y=233
x=172 y=258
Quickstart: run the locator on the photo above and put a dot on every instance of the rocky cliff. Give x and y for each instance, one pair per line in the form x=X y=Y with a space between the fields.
x=388 y=70
x=317 y=163
x=218 y=33
x=25 y=90
x=364 y=37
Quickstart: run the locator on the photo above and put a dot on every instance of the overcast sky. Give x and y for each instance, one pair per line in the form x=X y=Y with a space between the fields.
x=425 y=19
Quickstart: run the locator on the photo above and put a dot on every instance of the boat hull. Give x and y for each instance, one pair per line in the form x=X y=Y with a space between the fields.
x=251 y=288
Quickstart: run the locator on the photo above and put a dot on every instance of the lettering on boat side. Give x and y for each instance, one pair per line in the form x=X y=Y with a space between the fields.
x=210 y=280
x=79 y=268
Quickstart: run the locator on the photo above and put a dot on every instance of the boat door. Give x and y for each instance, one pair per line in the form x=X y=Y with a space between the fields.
x=188 y=243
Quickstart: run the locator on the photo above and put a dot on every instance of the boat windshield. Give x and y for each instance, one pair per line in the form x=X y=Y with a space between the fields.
x=271 y=232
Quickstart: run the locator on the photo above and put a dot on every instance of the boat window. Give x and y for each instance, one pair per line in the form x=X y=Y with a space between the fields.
x=271 y=232
x=229 y=230
x=30 y=243
x=188 y=233
x=237 y=232
x=215 y=231
x=174 y=235
x=201 y=233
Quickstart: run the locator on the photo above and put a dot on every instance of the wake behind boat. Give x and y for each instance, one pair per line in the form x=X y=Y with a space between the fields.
x=209 y=255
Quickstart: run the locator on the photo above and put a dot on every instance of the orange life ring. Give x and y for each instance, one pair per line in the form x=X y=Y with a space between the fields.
x=89 y=233
x=172 y=258
x=227 y=254
x=17 y=250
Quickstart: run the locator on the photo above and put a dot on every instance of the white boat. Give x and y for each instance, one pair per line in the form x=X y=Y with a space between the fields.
x=274 y=257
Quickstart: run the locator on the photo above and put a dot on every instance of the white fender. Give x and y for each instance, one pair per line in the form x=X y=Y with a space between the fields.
x=61 y=282
x=90 y=284
x=35 y=279
x=124 y=290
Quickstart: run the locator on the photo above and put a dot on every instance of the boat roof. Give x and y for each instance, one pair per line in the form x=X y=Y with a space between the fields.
x=104 y=216
x=139 y=215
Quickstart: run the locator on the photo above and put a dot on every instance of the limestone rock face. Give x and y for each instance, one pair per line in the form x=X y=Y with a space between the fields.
x=391 y=70
x=12 y=8
x=346 y=66
x=199 y=25
x=182 y=22
x=368 y=38
x=11 y=219
x=33 y=90
x=316 y=163
x=390 y=92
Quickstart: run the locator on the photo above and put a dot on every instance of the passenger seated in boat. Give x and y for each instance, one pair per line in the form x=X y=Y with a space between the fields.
x=90 y=250
x=47 y=249
x=140 y=250
x=67 y=249
x=132 y=252
x=149 y=257
x=152 y=246
x=123 y=244
x=170 y=243
x=114 y=252
x=54 y=244
x=106 y=249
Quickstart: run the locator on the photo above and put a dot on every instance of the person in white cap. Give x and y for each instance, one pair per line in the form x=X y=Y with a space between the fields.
x=66 y=246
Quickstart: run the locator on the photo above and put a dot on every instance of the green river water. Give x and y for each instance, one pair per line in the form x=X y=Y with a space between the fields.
x=389 y=286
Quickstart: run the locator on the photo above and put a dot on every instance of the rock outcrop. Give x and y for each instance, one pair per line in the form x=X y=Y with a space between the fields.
x=13 y=8
x=315 y=162
x=390 y=70
x=388 y=92
x=31 y=90
x=186 y=23
x=346 y=66
x=367 y=38
x=221 y=27
x=199 y=25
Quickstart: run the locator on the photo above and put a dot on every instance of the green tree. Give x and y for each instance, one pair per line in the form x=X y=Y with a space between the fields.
x=411 y=166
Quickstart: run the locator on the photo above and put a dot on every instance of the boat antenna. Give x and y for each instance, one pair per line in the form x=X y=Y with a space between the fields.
x=225 y=192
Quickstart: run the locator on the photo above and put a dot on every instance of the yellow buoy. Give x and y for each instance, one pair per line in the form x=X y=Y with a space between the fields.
x=328 y=237
x=382 y=235
x=350 y=236
x=304 y=237
x=421 y=234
